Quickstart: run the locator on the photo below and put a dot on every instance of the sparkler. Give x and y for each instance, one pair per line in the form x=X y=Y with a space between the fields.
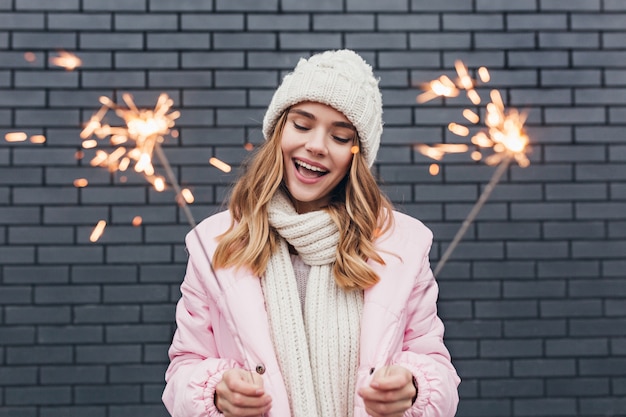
x=145 y=129
x=505 y=136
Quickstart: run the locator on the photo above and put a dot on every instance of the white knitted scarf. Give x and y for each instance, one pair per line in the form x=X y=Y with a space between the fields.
x=318 y=355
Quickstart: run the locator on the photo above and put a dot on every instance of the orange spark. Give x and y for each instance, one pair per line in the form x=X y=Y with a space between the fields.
x=15 y=137
x=38 y=139
x=97 y=231
x=441 y=87
x=137 y=220
x=433 y=169
x=483 y=74
x=30 y=57
x=223 y=166
x=471 y=116
x=458 y=129
x=354 y=149
x=248 y=146
x=80 y=182
x=66 y=60
x=187 y=195
x=159 y=184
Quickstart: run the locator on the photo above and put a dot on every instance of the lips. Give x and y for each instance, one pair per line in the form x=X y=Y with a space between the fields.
x=308 y=170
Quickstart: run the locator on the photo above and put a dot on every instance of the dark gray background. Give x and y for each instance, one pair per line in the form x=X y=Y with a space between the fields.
x=534 y=299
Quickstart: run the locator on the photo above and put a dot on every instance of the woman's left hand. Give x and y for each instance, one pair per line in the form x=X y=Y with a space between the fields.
x=390 y=392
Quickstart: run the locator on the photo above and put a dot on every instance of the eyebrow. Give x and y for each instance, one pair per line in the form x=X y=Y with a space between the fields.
x=312 y=117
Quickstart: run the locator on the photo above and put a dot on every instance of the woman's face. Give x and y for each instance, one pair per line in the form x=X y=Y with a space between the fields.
x=317 y=145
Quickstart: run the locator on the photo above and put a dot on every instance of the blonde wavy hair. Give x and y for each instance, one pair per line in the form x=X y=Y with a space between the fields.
x=358 y=208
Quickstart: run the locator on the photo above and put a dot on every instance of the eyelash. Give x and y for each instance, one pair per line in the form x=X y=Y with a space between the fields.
x=304 y=129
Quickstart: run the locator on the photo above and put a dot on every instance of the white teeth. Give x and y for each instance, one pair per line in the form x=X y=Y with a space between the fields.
x=309 y=167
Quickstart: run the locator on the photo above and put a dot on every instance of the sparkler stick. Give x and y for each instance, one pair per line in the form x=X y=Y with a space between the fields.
x=505 y=135
x=495 y=178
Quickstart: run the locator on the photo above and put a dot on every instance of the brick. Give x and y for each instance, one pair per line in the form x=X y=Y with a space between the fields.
x=601 y=405
x=511 y=388
x=376 y=40
x=22 y=21
x=148 y=22
x=46 y=117
x=535 y=328
x=137 y=373
x=551 y=407
x=54 y=375
x=35 y=235
x=300 y=41
x=597 y=288
x=321 y=6
x=604 y=249
x=15 y=215
x=108 y=354
x=481 y=21
x=452 y=5
x=567 y=269
x=581 y=115
x=137 y=410
x=36 y=40
x=104 y=274
x=72 y=411
x=74 y=215
x=454 y=309
x=609 y=210
x=576 y=192
x=530 y=21
x=32 y=274
x=281 y=22
x=138 y=333
x=135 y=293
x=69 y=334
x=348 y=23
x=579 y=387
x=221 y=21
x=178 y=41
x=474 y=290
x=596 y=327
x=486 y=368
x=107 y=394
x=22 y=98
x=19 y=411
x=506 y=309
x=534 y=290
x=152 y=60
x=111 y=79
x=18 y=375
x=503 y=269
x=576 y=153
x=581 y=348
x=510 y=348
x=571 y=77
x=475 y=59
x=485 y=408
x=60 y=254
x=544 y=211
x=17 y=255
x=67 y=294
x=599 y=172
x=596 y=96
x=246 y=41
x=571 y=308
x=38 y=395
x=158 y=313
x=79 y=21
x=106 y=314
x=15 y=295
x=544 y=367
x=505 y=41
x=505 y=230
x=503 y=5
x=613 y=268
x=39 y=355
x=562 y=40
x=15 y=335
x=36 y=315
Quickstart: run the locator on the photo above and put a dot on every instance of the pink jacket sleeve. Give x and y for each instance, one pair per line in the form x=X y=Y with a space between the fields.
x=195 y=368
x=424 y=354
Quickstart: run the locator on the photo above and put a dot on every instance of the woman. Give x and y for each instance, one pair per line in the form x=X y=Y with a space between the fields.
x=319 y=300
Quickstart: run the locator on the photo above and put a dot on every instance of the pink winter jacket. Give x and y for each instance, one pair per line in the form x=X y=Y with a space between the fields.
x=399 y=322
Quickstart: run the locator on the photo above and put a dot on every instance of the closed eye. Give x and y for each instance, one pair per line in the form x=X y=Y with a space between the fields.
x=299 y=127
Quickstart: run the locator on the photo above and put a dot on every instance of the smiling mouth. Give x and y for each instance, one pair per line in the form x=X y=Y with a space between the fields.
x=309 y=171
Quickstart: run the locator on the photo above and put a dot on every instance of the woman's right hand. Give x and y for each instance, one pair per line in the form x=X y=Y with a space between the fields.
x=240 y=393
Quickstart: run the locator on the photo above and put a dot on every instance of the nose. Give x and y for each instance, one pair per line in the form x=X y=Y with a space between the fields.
x=316 y=142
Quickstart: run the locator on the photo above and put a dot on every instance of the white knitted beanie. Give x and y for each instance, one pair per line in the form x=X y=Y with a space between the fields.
x=342 y=80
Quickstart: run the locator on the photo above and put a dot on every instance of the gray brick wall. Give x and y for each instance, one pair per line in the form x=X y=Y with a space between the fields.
x=533 y=298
